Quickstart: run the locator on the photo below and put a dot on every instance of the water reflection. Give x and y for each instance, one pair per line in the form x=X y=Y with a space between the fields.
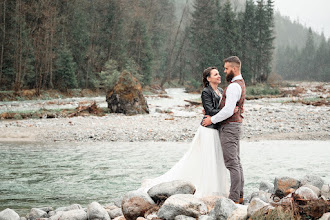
x=37 y=174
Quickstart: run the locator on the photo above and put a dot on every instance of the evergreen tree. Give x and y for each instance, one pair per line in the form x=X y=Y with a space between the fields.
x=307 y=57
x=65 y=70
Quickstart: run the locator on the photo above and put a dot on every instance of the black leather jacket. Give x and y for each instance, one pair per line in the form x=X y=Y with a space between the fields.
x=211 y=103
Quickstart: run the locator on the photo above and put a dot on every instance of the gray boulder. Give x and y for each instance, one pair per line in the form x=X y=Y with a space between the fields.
x=184 y=217
x=223 y=209
x=68 y=208
x=239 y=214
x=206 y=217
x=161 y=192
x=266 y=187
x=113 y=213
x=9 y=214
x=325 y=216
x=182 y=204
x=96 y=212
x=36 y=214
x=135 y=204
x=315 y=189
x=46 y=209
x=312 y=180
x=75 y=214
x=255 y=205
x=325 y=191
x=264 y=196
x=285 y=185
x=306 y=193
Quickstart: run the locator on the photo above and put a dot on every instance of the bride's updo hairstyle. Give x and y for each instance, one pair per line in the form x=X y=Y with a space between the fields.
x=206 y=73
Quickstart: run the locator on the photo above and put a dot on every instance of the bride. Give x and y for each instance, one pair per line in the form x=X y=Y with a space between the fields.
x=203 y=164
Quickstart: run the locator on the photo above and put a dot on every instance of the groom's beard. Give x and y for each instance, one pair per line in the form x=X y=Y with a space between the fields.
x=230 y=76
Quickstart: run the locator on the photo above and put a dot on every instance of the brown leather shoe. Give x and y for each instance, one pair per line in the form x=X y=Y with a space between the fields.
x=241 y=201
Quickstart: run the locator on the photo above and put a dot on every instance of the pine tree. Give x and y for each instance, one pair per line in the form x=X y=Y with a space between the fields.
x=307 y=57
x=65 y=70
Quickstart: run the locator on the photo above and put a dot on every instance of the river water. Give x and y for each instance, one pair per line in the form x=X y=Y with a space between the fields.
x=59 y=174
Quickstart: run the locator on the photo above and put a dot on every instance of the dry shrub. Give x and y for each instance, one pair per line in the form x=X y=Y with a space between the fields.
x=277 y=213
x=275 y=79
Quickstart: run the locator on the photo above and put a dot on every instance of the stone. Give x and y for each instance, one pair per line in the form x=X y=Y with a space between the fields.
x=159 y=193
x=183 y=217
x=9 y=214
x=239 y=214
x=68 y=208
x=96 y=212
x=283 y=185
x=266 y=187
x=210 y=201
x=182 y=204
x=36 y=214
x=325 y=216
x=325 y=191
x=115 y=213
x=306 y=193
x=205 y=217
x=255 y=205
x=223 y=209
x=312 y=180
x=46 y=209
x=126 y=96
x=75 y=214
x=119 y=218
x=315 y=189
x=264 y=196
x=135 y=204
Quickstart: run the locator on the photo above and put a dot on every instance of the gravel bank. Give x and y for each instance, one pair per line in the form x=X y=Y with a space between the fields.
x=265 y=119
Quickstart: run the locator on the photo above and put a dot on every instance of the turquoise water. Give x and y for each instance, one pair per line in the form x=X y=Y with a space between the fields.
x=60 y=174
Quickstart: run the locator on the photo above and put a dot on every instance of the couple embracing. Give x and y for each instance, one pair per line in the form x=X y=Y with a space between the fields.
x=215 y=148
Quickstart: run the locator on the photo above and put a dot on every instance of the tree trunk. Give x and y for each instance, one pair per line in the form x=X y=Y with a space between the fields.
x=3 y=39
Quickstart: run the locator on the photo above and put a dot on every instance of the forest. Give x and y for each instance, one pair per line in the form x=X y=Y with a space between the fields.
x=58 y=44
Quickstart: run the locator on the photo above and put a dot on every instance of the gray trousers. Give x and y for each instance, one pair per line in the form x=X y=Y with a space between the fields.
x=230 y=135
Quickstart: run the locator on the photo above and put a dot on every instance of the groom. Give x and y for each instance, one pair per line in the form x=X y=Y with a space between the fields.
x=231 y=125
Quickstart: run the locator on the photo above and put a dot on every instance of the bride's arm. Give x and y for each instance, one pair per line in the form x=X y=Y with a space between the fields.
x=208 y=103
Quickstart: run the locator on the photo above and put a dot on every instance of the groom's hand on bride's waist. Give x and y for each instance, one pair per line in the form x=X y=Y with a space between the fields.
x=206 y=121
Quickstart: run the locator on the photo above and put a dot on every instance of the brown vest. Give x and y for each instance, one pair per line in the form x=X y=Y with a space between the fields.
x=236 y=117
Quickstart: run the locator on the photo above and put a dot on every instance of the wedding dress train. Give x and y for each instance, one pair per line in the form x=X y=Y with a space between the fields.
x=202 y=165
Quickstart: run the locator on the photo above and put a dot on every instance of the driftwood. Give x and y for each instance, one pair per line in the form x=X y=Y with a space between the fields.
x=193 y=102
x=92 y=109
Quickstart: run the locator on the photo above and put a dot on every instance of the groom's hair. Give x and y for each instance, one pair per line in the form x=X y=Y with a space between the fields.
x=233 y=59
x=206 y=73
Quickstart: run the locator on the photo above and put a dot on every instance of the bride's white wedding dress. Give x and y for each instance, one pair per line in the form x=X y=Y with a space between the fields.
x=202 y=165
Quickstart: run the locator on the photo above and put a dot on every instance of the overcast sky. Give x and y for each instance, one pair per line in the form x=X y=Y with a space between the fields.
x=312 y=13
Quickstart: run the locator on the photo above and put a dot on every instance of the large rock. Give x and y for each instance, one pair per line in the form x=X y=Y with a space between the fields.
x=9 y=214
x=135 y=204
x=183 y=217
x=315 y=189
x=210 y=201
x=113 y=213
x=96 y=212
x=75 y=214
x=223 y=209
x=325 y=191
x=325 y=216
x=161 y=192
x=36 y=214
x=264 y=196
x=312 y=180
x=285 y=185
x=182 y=204
x=239 y=214
x=306 y=193
x=266 y=187
x=68 y=208
x=126 y=96
x=255 y=205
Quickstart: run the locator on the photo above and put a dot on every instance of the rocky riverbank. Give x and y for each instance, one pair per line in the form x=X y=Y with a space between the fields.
x=265 y=119
x=287 y=198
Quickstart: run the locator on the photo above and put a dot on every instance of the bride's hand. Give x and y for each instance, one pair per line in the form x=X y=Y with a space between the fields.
x=236 y=109
x=203 y=112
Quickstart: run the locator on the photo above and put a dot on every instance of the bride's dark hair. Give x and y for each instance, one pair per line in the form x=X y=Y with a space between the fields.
x=206 y=73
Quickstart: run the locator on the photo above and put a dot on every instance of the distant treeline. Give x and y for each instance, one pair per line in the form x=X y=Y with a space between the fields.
x=59 y=44
x=311 y=62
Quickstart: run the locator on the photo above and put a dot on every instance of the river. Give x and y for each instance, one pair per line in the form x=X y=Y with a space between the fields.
x=59 y=174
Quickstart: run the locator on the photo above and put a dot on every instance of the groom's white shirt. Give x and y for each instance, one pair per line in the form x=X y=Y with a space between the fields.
x=233 y=95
